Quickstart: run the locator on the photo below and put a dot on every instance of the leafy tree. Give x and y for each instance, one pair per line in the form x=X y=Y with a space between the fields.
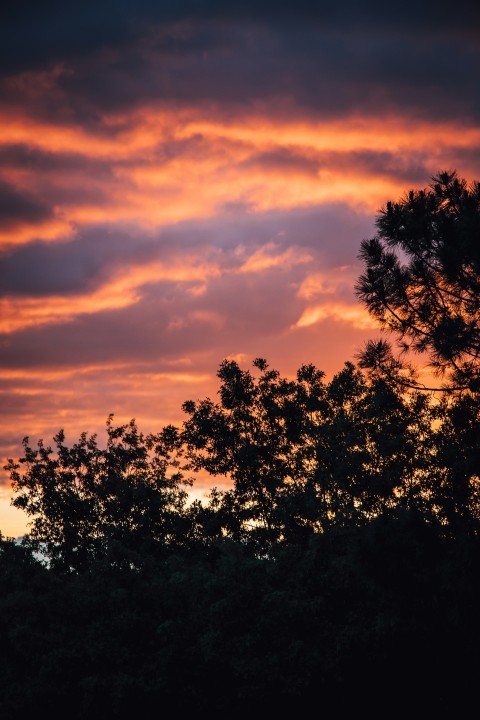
x=304 y=455
x=87 y=502
x=422 y=280
x=455 y=486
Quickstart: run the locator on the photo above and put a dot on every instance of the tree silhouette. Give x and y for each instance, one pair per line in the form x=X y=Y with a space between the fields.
x=87 y=502
x=422 y=279
x=304 y=455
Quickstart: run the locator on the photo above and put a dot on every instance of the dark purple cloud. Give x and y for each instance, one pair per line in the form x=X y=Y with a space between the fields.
x=326 y=59
x=412 y=167
x=33 y=33
x=20 y=206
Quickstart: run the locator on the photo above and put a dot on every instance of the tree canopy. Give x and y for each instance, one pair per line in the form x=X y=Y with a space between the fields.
x=422 y=278
x=88 y=502
x=304 y=455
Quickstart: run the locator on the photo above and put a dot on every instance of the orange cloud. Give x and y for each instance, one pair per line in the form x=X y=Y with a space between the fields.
x=49 y=231
x=267 y=257
x=340 y=312
x=166 y=166
x=318 y=284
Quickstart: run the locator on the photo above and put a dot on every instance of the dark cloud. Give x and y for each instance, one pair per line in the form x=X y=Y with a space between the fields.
x=56 y=181
x=35 y=159
x=331 y=59
x=33 y=32
x=137 y=332
x=285 y=160
x=17 y=404
x=465 y=159
x=70 y=267
x=329 y=71
x=19 y=206
x=411 y=167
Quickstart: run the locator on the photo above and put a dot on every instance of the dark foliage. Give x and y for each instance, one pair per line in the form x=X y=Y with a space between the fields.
x=304 y=455
x=89 y=503
x=371 y=618
x=422 y=278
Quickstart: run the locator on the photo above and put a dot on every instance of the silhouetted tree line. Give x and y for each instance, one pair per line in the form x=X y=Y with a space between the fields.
x=339 y=571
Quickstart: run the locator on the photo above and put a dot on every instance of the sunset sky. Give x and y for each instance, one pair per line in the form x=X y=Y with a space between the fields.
x=182 y=182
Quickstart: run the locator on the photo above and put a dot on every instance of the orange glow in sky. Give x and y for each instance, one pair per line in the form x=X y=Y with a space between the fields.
x=202 y=204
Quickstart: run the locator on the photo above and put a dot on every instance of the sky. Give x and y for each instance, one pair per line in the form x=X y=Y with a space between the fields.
x=182 y=182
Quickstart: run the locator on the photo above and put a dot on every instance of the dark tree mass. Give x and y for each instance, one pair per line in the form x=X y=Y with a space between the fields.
x=339 y=571
x=422 y=277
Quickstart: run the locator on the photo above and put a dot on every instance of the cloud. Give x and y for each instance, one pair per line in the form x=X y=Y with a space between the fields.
x=17 y=207
x=155 y=166
x=33 y=35
x=356 y=316
x=106 y=266
x=86 y=64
